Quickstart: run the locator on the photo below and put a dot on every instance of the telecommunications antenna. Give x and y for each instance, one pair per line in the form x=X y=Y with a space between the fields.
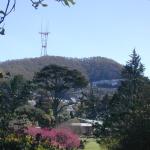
x=44 y=39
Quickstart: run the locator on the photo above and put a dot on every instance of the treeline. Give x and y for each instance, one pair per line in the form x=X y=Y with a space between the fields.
x=94 y=68
x=123 y=115
x=42 y=102
x=126 y=115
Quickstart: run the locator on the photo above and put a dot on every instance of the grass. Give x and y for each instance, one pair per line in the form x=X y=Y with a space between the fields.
x=92 y=145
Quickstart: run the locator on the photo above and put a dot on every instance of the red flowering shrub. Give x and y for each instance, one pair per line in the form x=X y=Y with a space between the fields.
x=62 y=138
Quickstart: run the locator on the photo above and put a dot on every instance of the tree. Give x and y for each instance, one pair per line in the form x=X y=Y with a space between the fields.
x=10 y=6
x=89 y=105
x=34 y=115
x=129 y=96
x=93 y=104
x=129 y=104
x=56 y=82
x=14 y=92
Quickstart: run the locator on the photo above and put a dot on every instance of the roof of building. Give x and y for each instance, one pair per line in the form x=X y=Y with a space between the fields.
x=82 y=124
x=90 y=121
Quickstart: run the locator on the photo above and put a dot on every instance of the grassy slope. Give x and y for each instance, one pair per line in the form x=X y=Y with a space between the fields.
x=92 y=145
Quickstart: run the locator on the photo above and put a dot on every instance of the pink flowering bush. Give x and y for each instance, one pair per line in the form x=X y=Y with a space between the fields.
x=61 y=138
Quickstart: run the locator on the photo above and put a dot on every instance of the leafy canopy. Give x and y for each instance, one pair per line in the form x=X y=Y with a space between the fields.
x=128 y=103
x=56 y=82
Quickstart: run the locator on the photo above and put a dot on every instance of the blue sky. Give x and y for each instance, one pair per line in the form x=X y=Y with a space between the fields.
x=107 y=28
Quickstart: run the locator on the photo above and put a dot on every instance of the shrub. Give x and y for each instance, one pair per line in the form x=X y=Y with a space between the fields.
x=15 y=141
x=138 y=136
x=82 y=146
x=61 y=138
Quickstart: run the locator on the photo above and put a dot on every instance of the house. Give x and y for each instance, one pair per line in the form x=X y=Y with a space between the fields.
x=80 y=126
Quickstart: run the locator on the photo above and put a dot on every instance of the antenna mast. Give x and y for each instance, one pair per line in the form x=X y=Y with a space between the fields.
x=44 y=39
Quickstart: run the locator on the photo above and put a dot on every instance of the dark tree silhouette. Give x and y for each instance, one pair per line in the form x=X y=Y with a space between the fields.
x=127 y=115
x=57 y=81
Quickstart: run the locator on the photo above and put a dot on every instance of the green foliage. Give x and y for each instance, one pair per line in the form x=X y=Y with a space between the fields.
x=127 y=119
x=89 y=106
x=137 y=135
x=93 y=104
x=37 y=3
x=67 y=2
x=16 y=141
x=12 y=96
x=128 y=99
x=108 y=143
x=56 y=81
x=15 y=113
x=94 y=68
x=100 y=68
x=35 y=115
x=14 y=92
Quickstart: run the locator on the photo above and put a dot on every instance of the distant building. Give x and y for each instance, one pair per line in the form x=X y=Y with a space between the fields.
x=80 y=126
x=114 y=83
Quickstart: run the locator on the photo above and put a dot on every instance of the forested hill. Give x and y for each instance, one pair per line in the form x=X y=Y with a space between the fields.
x=95 y=68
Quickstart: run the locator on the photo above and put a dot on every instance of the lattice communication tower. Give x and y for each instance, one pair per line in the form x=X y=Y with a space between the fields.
x=44 y=39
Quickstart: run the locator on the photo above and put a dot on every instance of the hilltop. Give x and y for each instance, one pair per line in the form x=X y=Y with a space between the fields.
x=94 y=68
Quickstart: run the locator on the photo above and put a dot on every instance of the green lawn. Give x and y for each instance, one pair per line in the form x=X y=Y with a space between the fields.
x=92 y=145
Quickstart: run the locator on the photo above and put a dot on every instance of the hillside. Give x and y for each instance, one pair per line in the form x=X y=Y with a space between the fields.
x=94 y=68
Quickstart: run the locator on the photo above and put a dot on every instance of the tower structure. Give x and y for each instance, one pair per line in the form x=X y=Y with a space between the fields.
x=44 y=39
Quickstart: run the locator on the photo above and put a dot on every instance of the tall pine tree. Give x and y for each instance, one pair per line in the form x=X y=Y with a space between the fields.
x=128 y=102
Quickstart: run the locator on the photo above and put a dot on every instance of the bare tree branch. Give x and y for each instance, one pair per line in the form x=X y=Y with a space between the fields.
x=36 y=4
x=10 y=6
x=4 y=13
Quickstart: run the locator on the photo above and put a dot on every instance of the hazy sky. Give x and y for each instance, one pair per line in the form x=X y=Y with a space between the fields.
x=108 y=28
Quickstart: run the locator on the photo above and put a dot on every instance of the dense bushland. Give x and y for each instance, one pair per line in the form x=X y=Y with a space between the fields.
x=126 y=123
x=94 y=68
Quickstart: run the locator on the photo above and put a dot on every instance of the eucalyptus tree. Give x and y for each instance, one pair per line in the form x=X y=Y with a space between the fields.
x=56 y=82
